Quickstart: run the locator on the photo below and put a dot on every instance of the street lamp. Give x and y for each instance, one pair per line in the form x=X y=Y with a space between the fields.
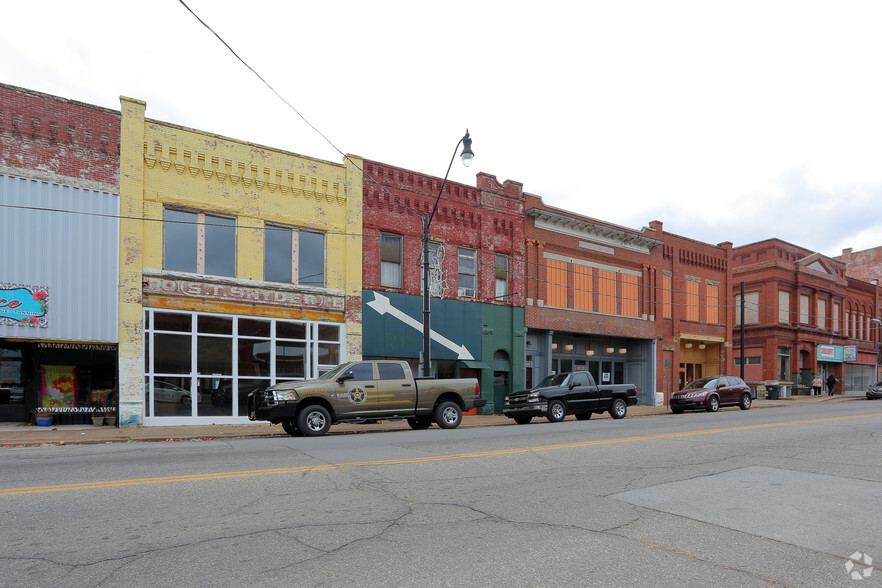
x=467 y=156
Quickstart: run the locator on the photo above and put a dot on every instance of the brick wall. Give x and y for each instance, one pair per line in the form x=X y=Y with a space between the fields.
x=487 y=218
x=864 y=265
x=55 y=139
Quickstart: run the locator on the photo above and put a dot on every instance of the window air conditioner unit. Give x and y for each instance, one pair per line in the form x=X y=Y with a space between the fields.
x=466 y=293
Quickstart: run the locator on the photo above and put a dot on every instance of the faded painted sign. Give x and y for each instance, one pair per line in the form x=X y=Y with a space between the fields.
x=225 y=292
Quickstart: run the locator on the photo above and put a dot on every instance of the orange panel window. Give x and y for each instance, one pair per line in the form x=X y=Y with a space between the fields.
x=584 y=292
x=666 y=296
x=713 y=304
x=691 y=301
x=630 y=293
x=606 y=285
x=557 y=283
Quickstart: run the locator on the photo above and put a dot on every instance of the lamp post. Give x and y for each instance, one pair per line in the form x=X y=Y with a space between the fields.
x=467 y=157
x=878 y=330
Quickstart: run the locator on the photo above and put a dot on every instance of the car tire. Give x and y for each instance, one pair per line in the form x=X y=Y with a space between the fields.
x=745 y=402
x=713 y=404
x=291 y=428
x=676 y=410
x=419 y=423
x=618 y=409
x=557 y=411
x=583 y=416
x=522 y=420
x=314 y=421
x=448 y=415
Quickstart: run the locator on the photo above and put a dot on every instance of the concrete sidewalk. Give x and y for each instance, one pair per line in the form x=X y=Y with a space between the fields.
x=21 y=435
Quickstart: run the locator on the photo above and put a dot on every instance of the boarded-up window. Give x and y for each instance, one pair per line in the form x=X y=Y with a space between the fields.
x=751 y=308
x=630 y=295
x=784 y=307
x=557 y=283
x=666 y=296
x=713 y=303
x=583 y=288
x=804 y=309
x=606 y=285
x=691 y=300
x=835 y=317
x=822 y=314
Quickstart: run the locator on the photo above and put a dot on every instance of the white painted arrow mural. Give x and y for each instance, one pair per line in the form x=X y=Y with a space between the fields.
x=382 y=305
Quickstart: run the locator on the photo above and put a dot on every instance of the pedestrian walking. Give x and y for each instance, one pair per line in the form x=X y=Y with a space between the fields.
x=817 y=384
x=831 y=383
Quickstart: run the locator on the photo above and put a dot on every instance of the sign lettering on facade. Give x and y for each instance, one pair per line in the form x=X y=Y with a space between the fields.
x=226 y=292
x=24 y=305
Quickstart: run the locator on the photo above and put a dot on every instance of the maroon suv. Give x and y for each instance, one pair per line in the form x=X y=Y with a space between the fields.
x=711 y=393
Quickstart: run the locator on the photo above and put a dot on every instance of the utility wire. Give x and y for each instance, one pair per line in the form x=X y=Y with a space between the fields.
x=291 y=106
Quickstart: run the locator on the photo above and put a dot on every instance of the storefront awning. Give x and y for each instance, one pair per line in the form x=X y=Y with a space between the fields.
x=475 y=365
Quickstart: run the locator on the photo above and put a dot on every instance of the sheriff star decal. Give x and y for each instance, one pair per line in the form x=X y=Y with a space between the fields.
x=357 y=395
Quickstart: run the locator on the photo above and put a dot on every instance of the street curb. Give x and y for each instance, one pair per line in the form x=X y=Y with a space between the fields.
x=54 y=436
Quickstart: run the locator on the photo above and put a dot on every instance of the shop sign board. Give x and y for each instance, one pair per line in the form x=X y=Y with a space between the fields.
x=24 y=305
x=849 y=353
x=831 y=353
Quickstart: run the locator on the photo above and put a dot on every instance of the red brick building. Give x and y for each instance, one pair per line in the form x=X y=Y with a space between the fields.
x=643 y=307
x=476 y=280
x=803 y=316
x=694 y=311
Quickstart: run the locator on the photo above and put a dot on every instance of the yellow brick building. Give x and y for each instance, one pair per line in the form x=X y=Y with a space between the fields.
x=240 y=266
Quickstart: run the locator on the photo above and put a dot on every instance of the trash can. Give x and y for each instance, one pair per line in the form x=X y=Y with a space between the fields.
x=773 y=391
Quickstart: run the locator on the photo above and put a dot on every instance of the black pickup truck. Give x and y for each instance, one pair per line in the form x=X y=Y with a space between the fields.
x=576 y=393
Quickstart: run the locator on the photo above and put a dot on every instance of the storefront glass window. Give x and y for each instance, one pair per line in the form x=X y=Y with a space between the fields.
x=254 y=357
x=290 y=360
x=254 y=328
x=285 y=330
x=163 y=321
x=215 y=325
x=171 y=354
x=230 y=357
x=214 y=356
x=328 y=354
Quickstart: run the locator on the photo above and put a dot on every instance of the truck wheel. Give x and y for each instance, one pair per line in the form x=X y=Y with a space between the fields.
x=713 y=404
x=291 y=428
x=314 y=420
x=419 y=423
x=676 y=410
x=522 y=420
x=583 y=416
x=448 y=415
x=556 y=411
x=745 y=402
x=619 y=408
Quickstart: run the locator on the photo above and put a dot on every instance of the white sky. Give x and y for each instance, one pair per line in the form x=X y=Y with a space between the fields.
x=727 y=121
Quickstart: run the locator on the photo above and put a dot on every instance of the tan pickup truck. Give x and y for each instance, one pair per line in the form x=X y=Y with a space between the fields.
x=365 y=392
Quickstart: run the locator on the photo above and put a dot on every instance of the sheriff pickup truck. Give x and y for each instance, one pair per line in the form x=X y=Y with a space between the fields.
x=364 y=392
x=576 y=393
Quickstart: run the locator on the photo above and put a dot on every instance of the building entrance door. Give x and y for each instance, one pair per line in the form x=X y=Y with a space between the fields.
x=689 y=372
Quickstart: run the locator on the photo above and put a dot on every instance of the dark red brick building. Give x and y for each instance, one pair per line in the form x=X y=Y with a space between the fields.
x=803 y=316
x=476 y=282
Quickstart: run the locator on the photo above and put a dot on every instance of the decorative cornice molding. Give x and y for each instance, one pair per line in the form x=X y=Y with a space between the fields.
x=567 y=225
x=261 y=177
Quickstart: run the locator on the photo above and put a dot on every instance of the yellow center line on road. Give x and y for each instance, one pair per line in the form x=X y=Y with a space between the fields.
x=409 y=460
